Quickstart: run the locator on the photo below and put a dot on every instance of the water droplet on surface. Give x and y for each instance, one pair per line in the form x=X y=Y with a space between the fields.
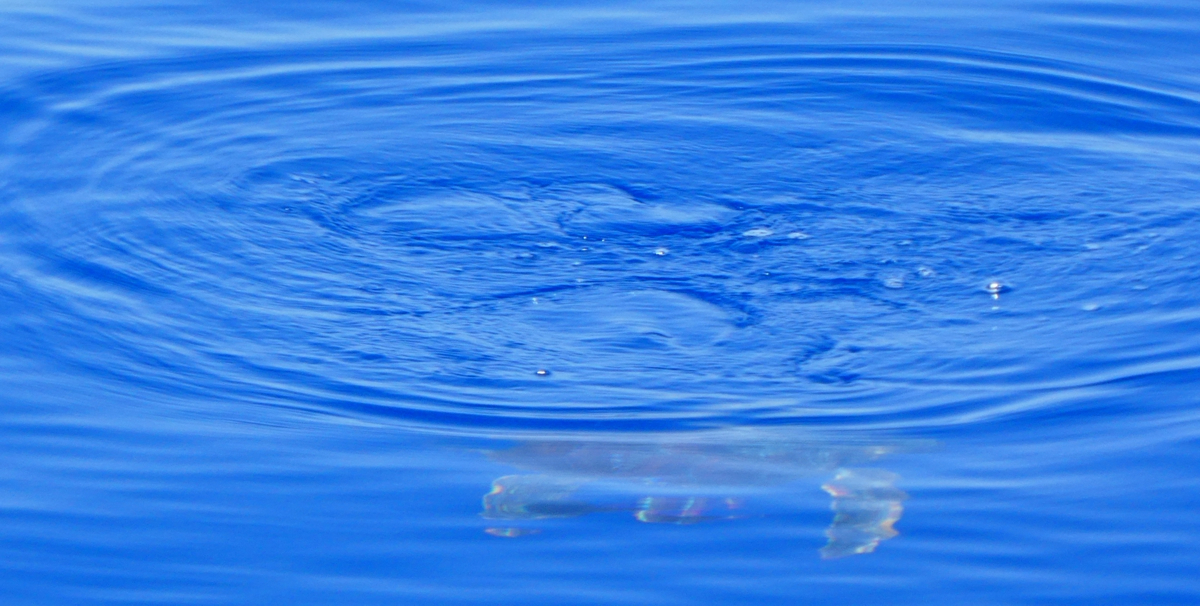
x=995 y=287
x=757 y=232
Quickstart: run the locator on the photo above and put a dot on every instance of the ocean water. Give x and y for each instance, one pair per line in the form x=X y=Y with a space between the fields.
x=600 y=303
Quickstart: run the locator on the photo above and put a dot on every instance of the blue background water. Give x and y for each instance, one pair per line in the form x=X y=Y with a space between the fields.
x=275 y=283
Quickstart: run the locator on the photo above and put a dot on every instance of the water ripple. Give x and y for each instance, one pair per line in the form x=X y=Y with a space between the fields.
x=685 y=230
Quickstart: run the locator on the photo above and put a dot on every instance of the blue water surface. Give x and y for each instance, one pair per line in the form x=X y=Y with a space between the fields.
x=600 y=303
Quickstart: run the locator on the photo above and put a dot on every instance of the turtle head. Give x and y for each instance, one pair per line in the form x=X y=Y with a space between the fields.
x=519 y=497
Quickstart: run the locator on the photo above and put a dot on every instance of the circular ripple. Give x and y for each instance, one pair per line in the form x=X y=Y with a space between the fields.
x=705 y=234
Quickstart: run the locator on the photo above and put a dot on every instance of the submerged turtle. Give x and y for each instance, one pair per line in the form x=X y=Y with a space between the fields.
x=688 y=480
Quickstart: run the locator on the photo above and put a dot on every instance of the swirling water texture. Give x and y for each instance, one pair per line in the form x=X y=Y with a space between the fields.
x=687 y=228
x=257 y=261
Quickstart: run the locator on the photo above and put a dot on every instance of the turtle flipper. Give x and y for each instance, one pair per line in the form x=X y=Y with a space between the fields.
x=866 y=505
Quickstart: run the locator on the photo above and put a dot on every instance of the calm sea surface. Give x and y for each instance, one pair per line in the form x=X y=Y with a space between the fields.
x=600 y=303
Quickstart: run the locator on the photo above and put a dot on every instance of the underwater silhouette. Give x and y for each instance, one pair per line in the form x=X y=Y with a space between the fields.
x=693 y=479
